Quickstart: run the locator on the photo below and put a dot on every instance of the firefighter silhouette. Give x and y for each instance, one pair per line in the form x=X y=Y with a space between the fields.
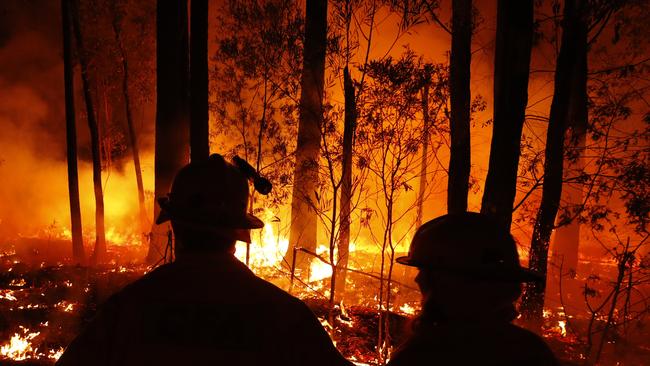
x=469 y=276
x=206 y=308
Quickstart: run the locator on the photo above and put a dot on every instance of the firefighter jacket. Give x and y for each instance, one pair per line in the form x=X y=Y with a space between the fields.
x=488 y=344
x=204 y=309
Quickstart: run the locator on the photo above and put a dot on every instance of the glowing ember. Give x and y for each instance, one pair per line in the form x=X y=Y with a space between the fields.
x=55 y=354
x=7 y=295
x=20 y=347
x=18 y=282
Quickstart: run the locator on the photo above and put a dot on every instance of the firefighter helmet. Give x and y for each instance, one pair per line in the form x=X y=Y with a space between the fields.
x=210 y=195
x=468 y=243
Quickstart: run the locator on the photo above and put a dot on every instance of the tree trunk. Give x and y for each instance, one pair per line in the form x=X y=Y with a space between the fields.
x=305 y=184
x=133 y=138
x=349 y=125
x=567 y=237
x=199 y=129
x=99 y=254
x=511 y=68
x=172 y=106
x=574 y=36
x=425 y=153
x=71 y=139
x=459 y=77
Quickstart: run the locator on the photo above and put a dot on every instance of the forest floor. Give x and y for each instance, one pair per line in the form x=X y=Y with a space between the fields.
x=42 y=307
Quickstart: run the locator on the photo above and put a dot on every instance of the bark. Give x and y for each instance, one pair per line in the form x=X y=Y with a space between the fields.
x=425 y=153
x=574 y=36
x=199 y=129
x=133 y=138
x=459 y=77
x=349 y=125
x=71 y=138
x=99 y=254
x=172 y=106
x=511 y=68
x=303 y=215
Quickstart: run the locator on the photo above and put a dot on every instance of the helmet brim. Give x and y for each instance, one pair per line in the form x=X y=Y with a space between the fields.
x=519 y=274
x=248 y=221
x=407 y=261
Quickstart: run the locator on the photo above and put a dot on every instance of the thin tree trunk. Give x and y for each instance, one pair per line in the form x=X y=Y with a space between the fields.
x=332 y=246
x=573 y=37
x=425 y=154
x=172 y=106
x=616 y=292
x=133 y=138
x=459 y=77
x=104 y=127
x=514 y=37
x=303 y=215
x=71 y=138
x=383 y=337
x=99 y=254
x=349 y=125
x=199 y=129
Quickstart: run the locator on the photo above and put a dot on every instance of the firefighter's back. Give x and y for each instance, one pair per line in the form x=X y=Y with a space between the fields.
x=205 y=310
x=489 y=344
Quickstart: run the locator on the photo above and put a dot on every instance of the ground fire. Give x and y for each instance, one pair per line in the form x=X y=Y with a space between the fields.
x=370 y=120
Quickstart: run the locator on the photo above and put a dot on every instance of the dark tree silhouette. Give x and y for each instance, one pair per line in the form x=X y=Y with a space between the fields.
x=352 y=91
x=71 y=137
x=349 y=125
x=118 y=15
x=424 y=167
x=567 y=236
x=303 y=217
x=574 y=43
x=514 y=37
x=199 y=129
x=172 y=129
x=459 y=77
x=100 y=236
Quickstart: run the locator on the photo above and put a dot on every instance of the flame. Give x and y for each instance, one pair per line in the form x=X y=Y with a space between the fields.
x=562 y=325
x=65 y=306
x=267 y=248
x=318 y=270
x=117 y=237
x=19 y=347
x=407 y=309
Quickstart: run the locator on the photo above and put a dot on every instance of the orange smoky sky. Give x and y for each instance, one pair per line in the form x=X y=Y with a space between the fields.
x=34 y=194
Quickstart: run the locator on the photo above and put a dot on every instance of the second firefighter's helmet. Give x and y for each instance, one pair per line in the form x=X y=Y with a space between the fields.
x=470 y=244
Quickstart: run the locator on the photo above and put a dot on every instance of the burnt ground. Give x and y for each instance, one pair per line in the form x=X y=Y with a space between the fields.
x=56 y=301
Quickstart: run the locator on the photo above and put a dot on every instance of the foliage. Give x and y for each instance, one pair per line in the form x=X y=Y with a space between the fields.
x=255 y=85
x=137 y=33
x=391 y=135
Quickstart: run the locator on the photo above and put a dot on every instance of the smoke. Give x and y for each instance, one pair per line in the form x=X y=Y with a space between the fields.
x=34 y=192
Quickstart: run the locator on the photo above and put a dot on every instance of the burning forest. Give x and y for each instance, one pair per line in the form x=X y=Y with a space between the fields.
x=367 y=170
